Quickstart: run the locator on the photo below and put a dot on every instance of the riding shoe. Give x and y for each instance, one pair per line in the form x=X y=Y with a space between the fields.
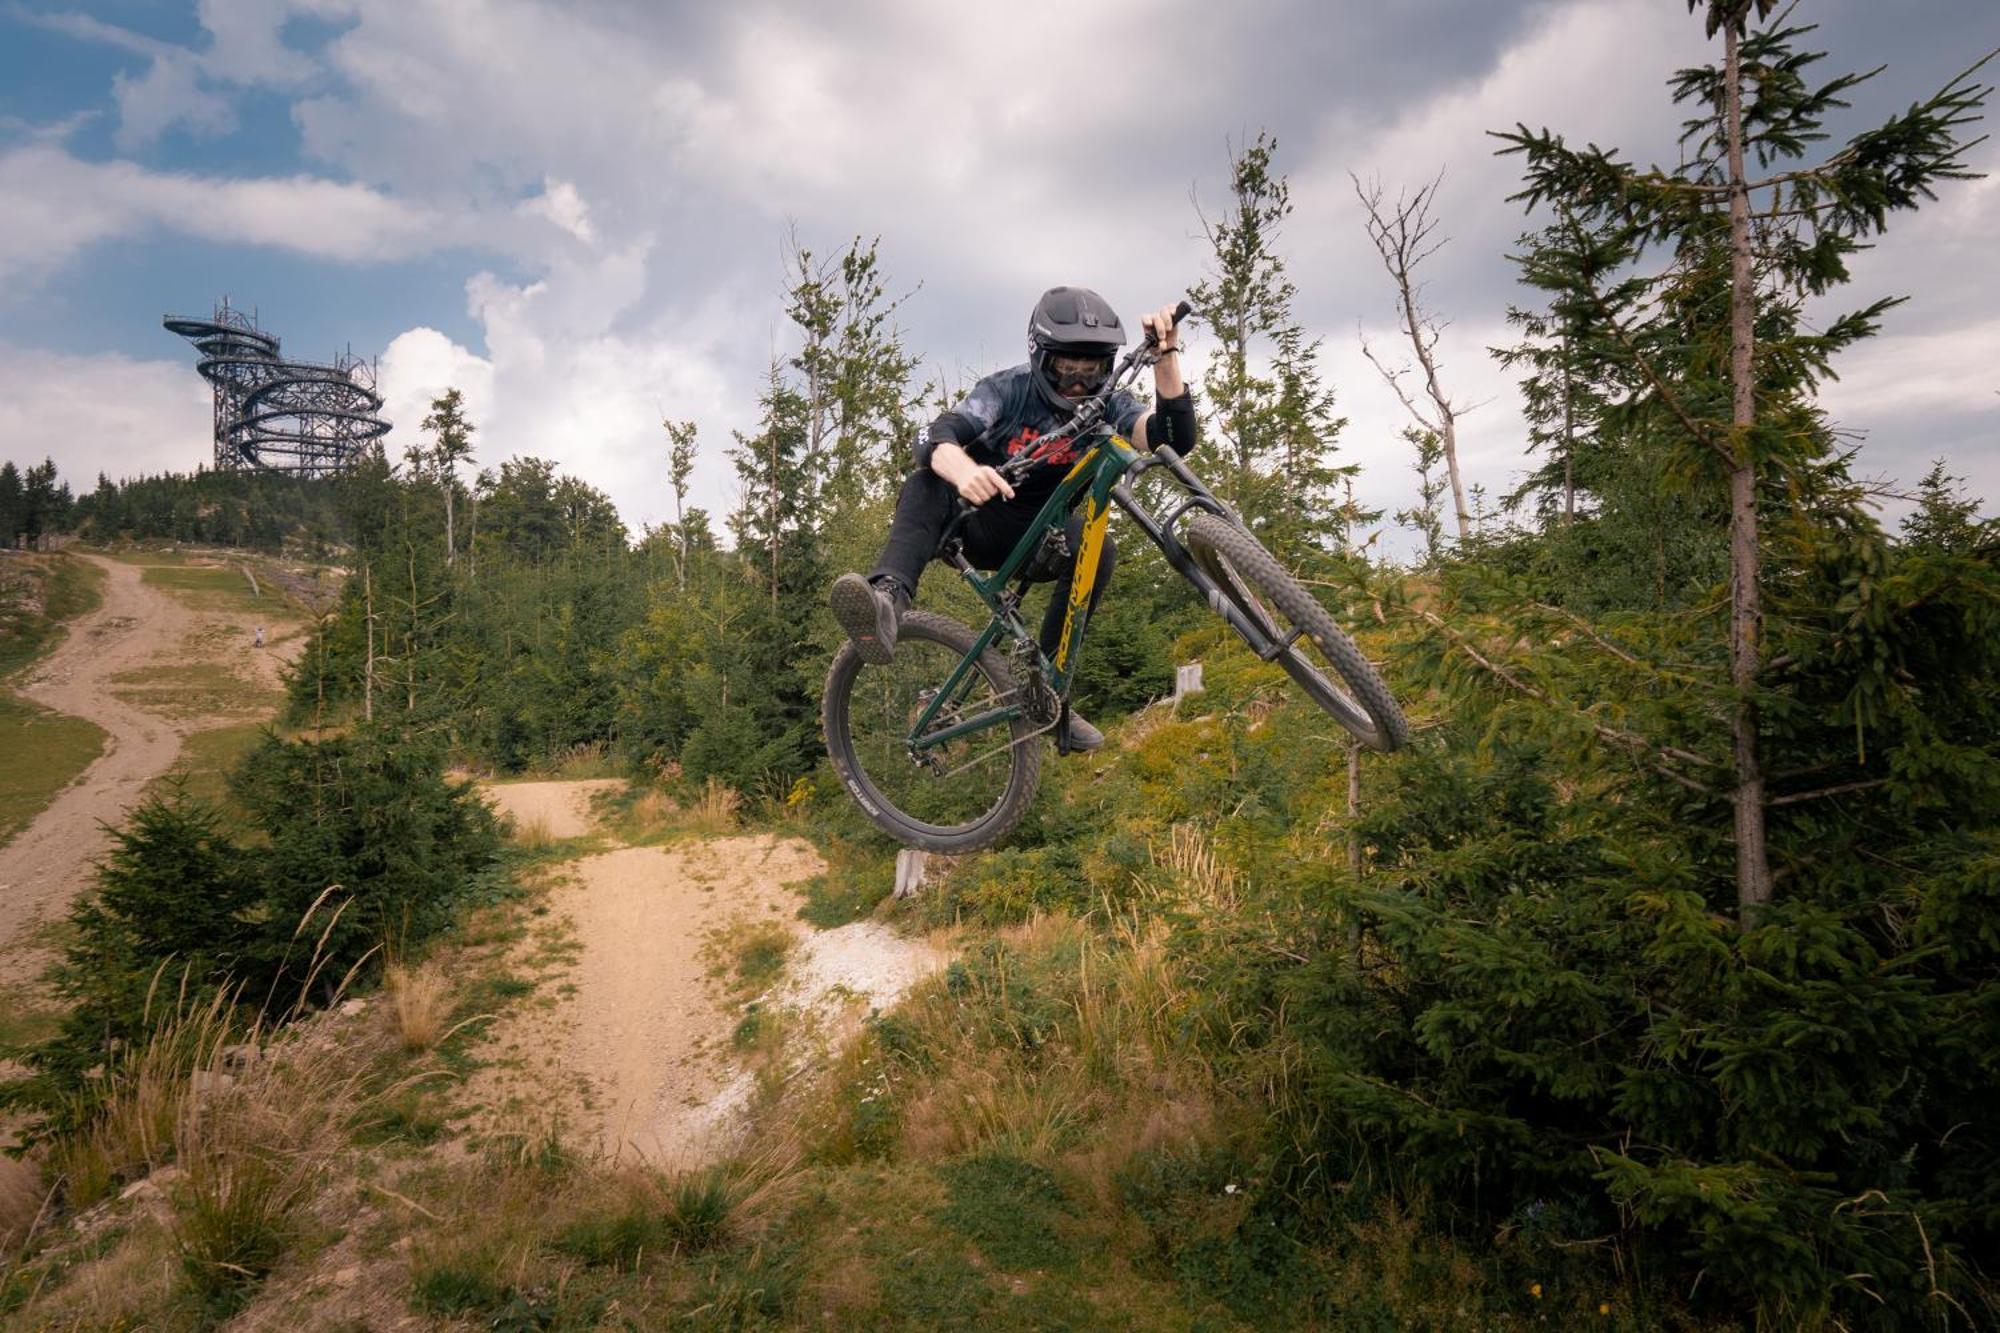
x=869 y=612
x=1081 y=735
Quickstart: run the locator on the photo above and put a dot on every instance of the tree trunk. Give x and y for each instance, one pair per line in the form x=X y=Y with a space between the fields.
x=1414 y=324
x=774 y=520
x=1448 y=441
x=450 y=545
x=681 y=561
x=1569 y=444
x=1353 y=807
x=410 y=648
x=1753 y=866
x=368 y=667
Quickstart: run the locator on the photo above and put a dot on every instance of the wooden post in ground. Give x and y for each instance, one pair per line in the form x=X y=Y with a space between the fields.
x=909 y=872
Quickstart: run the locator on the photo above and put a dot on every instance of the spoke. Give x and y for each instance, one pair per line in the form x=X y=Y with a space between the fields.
x=952 y=782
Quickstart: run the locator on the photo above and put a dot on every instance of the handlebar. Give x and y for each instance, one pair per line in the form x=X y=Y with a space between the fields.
x=1089 y=413
x=1181 y=312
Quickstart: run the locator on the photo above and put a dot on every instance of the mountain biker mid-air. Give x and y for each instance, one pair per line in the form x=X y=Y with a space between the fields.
x=1073 y=337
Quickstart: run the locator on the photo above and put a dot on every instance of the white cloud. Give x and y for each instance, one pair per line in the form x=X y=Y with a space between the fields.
x=247 y=42
x=559 y=383
x=417 y=367
x=58 y=205
x=1630 y=46
x=639 y=164
x=560 y=203
x=108 y=414
x=166 y=95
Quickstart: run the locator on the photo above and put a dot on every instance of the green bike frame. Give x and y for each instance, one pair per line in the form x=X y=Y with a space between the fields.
x=1094 y=475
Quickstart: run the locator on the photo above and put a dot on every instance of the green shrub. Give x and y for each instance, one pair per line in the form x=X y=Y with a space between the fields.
x=361 y=842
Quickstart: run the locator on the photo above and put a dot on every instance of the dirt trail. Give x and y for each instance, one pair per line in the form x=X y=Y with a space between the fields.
x=633 y=1046
x=138 y=627
x=558 y=809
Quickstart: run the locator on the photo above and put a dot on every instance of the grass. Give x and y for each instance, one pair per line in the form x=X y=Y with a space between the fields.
x=589 y=759
x=198 y=689
x=648 y=816
x=45 y=751
x=23 y=1200
x=206 y=588
x=749 y=955
x=38 y=593
x=859 y=875
x=27 y=1015
x=206 y=760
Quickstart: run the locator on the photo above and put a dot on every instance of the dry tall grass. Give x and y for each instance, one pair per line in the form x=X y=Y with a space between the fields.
x=133 y=1129
x=24 y=1199
x=1205 y=880
x=715 y=810
x=256 y=1146
x=532 y=833
x=654 y=809
x=586 y=759
x=420 y=1002
x=654 y=816
x=255 y=1124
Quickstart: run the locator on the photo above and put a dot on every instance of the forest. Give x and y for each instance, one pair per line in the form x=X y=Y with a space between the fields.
x=1665 y=961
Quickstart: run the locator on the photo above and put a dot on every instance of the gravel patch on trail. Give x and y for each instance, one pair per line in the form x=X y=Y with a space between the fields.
x=865 y=960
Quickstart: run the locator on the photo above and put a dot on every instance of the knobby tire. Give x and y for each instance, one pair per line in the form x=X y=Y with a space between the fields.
x=1018 y=741
x=1250 y=577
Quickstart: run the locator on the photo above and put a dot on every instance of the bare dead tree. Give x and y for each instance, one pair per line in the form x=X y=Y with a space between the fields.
x=1405 y=236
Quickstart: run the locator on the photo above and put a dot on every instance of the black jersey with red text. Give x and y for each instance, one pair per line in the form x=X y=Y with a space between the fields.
x=1004 y=416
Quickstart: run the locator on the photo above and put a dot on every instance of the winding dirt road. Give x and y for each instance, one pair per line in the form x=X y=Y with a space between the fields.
x=138 y=628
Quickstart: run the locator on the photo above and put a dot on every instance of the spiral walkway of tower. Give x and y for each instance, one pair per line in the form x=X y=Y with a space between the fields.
x=298 y=418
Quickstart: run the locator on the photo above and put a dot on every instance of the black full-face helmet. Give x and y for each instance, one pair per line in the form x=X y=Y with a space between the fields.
x=1073 y=337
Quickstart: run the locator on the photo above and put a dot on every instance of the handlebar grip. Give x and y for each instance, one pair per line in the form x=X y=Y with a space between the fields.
x=1181 y=312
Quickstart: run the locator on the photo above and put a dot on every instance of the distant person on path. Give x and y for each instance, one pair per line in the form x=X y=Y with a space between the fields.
x=1073 y=339
x=260 y=637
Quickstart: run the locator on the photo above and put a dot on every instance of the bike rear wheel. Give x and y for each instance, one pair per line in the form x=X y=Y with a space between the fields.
x=959 y=796
x=1320 y=652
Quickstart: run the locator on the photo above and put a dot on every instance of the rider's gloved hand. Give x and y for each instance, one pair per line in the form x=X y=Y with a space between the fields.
x=975 y=482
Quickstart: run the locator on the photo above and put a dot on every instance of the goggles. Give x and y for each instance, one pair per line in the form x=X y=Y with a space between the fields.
x=1077 y=376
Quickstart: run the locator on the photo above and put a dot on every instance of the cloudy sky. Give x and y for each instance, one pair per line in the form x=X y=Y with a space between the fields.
x=576 y=213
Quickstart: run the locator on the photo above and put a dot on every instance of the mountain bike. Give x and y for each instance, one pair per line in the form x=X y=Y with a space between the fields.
x=941 y=747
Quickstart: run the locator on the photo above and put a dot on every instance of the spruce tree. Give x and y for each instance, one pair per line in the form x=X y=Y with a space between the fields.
x=1730 y=305
x=11 y=491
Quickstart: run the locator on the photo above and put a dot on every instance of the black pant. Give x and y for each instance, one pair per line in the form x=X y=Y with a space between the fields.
x=990 y=534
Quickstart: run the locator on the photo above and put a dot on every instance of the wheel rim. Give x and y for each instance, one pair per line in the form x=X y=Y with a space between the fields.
x=1306 y=661
x=946 y=789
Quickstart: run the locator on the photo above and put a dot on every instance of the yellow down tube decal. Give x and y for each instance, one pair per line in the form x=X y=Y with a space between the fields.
x=1095 y=521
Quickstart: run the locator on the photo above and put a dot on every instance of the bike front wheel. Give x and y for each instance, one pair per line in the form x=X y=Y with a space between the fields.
x=1318 y=652
x=957 y=796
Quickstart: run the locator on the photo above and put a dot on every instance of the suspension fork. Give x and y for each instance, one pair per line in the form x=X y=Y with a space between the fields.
x=1161 y=531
